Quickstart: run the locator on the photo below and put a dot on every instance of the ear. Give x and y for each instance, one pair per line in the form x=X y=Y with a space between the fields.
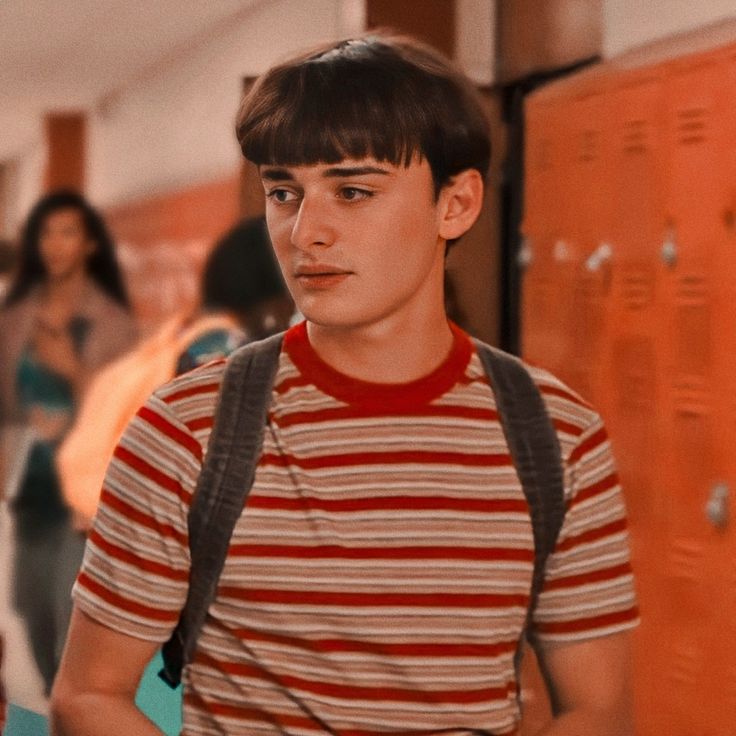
x=461 y=201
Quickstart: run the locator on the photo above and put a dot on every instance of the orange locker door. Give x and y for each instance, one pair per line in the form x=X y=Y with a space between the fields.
x=545 y=301
x=724 y=700
x=634 y=415
x=698 y=558
x=587 y=213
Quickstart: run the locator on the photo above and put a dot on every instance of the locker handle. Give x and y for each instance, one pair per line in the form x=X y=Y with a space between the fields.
x=717 y=508
x=602 y=254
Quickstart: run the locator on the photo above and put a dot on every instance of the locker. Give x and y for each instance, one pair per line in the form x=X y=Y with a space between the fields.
x=652 y=339
x=549 y=251
x=590 y=230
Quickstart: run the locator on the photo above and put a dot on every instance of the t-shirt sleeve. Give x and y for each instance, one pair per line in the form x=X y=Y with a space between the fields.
x=134 y=575
x=588 y=590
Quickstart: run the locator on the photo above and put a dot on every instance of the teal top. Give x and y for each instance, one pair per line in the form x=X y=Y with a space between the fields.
x=40 y=386
x=209 y=346
x=39 y=497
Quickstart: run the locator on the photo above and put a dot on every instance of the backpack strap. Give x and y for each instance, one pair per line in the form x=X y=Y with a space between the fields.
x=537 y=457
x=226 y=477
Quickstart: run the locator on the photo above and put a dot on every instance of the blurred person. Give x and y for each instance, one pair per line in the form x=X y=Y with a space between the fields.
x=3 y=699
x=242 y=298
x=378 y=577
x=7 y=263
x=65 y=315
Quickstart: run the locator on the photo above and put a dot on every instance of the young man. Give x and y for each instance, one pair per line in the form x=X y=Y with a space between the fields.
x=378 y=577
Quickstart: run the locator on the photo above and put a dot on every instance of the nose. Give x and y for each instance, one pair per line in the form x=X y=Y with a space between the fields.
x=313 y=225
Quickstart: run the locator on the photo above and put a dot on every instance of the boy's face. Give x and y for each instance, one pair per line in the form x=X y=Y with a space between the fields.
x=359 y=242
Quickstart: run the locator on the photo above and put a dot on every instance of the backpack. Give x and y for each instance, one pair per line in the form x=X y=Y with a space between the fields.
x=235 y=445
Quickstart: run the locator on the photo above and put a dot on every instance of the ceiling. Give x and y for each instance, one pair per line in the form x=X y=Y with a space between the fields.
x=68 y=55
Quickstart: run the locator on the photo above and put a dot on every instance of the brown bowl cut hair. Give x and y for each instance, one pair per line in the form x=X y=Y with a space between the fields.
x=382 y=96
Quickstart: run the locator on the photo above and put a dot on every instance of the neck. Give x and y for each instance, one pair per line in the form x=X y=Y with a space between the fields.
x=68 y=290
x=386 y=353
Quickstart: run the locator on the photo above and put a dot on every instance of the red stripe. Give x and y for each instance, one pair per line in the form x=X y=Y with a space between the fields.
x=597 y=438
x=597 y=576
x=153 y=474
x=350 y=459
x=381 y=649
x=335 y=414
x=141 y=563
x=196 y=390
x=125 y=604
x=296 y=382
x=280 y=721
x=567 y=427
x=374 y=600
x=137 y=516
x=335 y=552
x=172 y=432
x=615 y=527
x=589 y=624
x=606 y=484
x=562 y=393
x=353 y=692
x=392 y=503
x=195 y=425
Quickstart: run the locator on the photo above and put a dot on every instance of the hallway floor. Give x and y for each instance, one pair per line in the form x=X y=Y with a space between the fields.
x=22 y=681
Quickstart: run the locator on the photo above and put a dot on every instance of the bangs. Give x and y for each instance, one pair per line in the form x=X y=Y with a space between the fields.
x=328 y=113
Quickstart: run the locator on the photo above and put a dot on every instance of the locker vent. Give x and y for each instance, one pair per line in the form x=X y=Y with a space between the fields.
x=589 y=145
x=693 y=461
x=686 y=663
x=686 y=561
x=637 y=287
x=693 y=326
x=636 y=136
x=690 y=395
x=634 y=373
x=692 y=125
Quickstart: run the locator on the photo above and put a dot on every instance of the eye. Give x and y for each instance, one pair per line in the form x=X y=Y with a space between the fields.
x=352 y=194
x=282 y=196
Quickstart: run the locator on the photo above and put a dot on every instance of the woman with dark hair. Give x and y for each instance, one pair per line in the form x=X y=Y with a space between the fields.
x=65 y=315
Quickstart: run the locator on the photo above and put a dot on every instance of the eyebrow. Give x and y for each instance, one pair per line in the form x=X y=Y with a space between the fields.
x=278 y=174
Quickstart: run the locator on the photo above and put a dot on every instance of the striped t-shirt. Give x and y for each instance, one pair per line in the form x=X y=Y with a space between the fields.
x=378 y=578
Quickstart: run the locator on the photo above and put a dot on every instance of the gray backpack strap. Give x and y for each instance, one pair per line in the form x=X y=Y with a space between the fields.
x=537 y=457
x=225 y=479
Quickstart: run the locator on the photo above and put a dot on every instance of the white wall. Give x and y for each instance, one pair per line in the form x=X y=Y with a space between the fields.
x=176 y=127
x=475 y=39
x=24 y=182
x=631 y=23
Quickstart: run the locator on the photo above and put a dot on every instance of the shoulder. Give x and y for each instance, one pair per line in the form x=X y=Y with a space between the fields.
x=19 y=310
x=573 y=418
x=578 y=424
x=101 y=307
x=192 y=396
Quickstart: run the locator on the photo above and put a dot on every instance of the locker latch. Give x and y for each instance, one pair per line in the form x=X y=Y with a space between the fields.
x=602 y=254
x=716 y=510
x=668 y=254
x=525 y=254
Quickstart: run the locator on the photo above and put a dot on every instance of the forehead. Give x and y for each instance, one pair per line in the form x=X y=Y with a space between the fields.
x=347 y=167
x=63 y=217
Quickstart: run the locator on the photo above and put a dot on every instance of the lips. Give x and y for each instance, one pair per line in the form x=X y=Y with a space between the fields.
x=320 y=276
x=319 y=269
